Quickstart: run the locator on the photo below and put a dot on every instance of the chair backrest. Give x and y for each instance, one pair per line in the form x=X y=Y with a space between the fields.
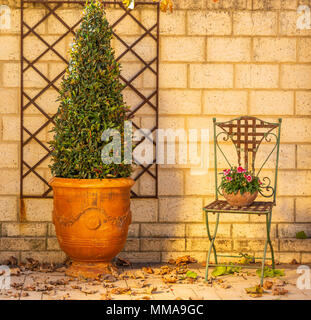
x=246 y=134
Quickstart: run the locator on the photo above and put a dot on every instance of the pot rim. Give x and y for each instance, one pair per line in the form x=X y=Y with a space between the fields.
x=91 y=183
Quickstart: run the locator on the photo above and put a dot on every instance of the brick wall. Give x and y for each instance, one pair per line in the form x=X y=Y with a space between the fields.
x=224 y=59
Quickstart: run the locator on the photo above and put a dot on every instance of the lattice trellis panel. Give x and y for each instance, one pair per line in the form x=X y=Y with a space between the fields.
x=46 y=33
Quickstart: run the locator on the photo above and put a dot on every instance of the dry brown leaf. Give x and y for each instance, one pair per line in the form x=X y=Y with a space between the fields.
x=147 y=270
x=61 y=269
x=141 y=285
x=109 y=278
x=163 y=270
x=123 y=262
x=89 y=291
x=15 y=271
x=76 y=287
x=225 y=286
x=171 y=261
x=279 y=291
x=267 y=285
x=182 y=269
x=139 y=275
x=105 y=296
x=121 y=291
x=58 y=282
x=13 y=261
x=169 y=278
x=255 y=292
x=151 y=290
x=185 y=259
x=279 y=283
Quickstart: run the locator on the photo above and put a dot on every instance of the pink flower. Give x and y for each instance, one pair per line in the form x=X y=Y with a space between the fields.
x=229 y=178
x=248 y=178
x=226 y=172
x=259 y=181
x=240 y=170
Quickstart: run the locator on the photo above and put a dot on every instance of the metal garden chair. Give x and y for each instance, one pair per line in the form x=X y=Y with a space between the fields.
x=246 y=134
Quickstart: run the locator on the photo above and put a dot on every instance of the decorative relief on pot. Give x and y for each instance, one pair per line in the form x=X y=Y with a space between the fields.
x=93 y=218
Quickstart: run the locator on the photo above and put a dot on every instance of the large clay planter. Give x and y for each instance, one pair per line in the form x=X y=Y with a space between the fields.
x=240 y=200
x=91 y=219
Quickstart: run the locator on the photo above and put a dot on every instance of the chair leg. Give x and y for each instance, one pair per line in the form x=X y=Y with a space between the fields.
x=212 y=243
x=268 y=241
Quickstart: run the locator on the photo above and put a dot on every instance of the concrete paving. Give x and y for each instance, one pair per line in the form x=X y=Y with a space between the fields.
x=134 y=284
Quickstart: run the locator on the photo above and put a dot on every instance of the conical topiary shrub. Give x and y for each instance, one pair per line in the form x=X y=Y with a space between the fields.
x=91 y=197
x=91 y=101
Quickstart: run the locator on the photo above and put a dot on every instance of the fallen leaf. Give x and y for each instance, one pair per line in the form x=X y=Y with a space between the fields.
x=105 y=296
x=255 y=292
x=169 y=278
x=151 y=290
x=13 y=261
x=147 y=270
x=15 y=271
x=191 y=274
x=109 y=278
x=76 y=287
x=185 y=259
x=123 y=262
x=279 y=291
x=141 y=285
x=279 y=283
x=267 y=285
x=271 y=273
x=172 y=261
x=121 y=291
x=139 y=275
x=61 y=269
x=88 y=291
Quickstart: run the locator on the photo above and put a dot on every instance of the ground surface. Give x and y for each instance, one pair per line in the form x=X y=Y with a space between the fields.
x=134 y=283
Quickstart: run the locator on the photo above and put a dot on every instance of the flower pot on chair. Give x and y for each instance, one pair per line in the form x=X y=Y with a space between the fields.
x=240 y=200
x=91 y=218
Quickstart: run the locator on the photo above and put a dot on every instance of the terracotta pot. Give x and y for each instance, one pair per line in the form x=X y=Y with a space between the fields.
x=91 y=219
x=239 y=200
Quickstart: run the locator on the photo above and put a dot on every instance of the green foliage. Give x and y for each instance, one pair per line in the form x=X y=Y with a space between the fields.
x=246 y=259
x=238 y=179
x=223 y=270
x=255 y=291
x=191 y=274
x=270 y=273
x=91 y=101
x=301 y=235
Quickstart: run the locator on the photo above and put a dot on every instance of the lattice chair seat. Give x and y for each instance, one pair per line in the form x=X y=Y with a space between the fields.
x=258 y=207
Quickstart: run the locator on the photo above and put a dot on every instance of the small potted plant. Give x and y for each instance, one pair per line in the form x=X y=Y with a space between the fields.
x=239 y=187
x=91 y=198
